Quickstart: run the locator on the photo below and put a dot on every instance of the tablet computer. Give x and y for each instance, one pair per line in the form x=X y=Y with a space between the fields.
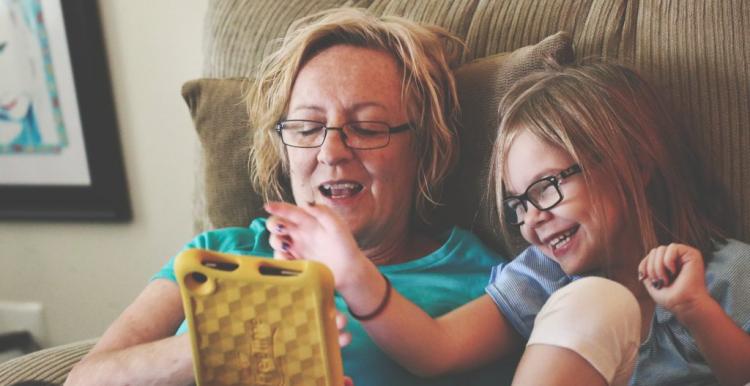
x=259 y=321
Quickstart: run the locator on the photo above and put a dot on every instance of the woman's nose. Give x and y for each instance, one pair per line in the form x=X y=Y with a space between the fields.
x=334 y=149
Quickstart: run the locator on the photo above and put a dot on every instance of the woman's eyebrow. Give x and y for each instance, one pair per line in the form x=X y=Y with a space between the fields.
x=364 y=105
x=308 y=107
x=355 y=107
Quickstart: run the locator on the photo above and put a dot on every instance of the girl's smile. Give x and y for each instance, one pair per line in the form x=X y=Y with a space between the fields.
x=569 y=232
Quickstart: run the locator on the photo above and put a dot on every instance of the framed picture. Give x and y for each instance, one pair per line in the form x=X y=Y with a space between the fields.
x=60 y=154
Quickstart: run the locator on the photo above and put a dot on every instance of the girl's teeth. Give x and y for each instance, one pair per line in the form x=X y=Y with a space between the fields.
x=559 y=241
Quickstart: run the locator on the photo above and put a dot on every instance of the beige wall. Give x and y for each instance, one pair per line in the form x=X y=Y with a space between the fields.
x=85 y=274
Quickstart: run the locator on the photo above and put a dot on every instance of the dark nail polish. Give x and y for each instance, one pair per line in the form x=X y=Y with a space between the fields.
x=280 y=228
x=670 y=275
x=658 y=283
x=311 y=203
x=285 y=246
x=641 y=276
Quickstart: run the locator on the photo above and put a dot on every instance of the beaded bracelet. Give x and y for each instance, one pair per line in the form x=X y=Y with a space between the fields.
x=380 y=307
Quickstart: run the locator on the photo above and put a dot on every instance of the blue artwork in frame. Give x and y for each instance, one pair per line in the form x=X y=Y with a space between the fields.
x=60 y=154
x=31 y=90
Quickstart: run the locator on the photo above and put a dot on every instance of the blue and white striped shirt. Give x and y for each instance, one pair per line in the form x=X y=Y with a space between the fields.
x=669 y=356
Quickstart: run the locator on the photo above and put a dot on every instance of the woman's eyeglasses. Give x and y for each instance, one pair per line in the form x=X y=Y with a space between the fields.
x=544 y=194
x=356 y=135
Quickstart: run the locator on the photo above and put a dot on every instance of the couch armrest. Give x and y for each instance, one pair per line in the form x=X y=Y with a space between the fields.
x=49 y=365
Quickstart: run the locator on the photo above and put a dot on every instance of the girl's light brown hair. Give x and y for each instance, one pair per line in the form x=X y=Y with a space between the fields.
x=425 y=55
x=607 y=118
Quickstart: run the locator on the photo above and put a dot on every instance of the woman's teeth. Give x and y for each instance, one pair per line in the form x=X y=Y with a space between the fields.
x=340 y=190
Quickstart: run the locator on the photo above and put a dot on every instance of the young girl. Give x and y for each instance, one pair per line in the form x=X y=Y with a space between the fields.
x=626 y=280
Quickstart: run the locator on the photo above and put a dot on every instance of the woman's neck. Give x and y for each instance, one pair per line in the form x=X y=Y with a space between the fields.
x=402 y=247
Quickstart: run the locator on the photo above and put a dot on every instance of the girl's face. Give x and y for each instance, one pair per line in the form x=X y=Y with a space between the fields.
x=571 y=232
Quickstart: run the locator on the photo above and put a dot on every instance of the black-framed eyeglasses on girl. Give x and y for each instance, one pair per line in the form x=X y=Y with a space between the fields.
x=544 y=194
x=356 y=135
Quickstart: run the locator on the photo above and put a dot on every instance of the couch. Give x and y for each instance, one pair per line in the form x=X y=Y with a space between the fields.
x=696 y=53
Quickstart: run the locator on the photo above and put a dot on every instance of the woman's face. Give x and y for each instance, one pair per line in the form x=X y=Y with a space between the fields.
x=571 y=233
x=371 y=190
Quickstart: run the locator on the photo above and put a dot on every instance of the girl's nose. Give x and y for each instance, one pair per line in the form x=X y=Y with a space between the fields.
x=534 y=216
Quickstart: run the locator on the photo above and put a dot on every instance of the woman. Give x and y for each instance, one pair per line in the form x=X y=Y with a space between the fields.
x=355 y=113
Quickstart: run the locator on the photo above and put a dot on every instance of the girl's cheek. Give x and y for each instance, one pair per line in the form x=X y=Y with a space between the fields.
x=529 y=235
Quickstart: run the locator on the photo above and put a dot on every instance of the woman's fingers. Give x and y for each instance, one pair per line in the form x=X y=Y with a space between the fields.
x=345 y=337
x=277 y=225
x=286 y=217
x=289 y=214
x=324 y=215
x=282 y=244
x=340 y=320
x=279 y=255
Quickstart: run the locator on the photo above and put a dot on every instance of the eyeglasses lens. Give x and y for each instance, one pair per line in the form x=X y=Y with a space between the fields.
x=356 y=135
x=543 y=194
x=366 y=135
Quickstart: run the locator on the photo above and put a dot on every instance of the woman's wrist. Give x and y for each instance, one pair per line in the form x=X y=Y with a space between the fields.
x=381 y=306
x=362 y=287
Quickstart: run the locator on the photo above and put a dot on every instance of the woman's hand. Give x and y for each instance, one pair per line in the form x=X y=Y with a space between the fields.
x=314 y=232
x=674 y=277
x=345 y=337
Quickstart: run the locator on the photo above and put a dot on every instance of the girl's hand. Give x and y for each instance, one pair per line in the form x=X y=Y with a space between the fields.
x=674 y=276
x=314 y=232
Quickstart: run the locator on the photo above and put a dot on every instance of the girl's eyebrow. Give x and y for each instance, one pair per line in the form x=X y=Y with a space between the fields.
x=546 y=173
x=536 y=177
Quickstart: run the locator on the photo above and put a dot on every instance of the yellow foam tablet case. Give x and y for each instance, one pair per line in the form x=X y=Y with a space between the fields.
x=259 y=321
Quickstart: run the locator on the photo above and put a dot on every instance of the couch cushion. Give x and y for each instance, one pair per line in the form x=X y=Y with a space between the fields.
x=224 y=195
x=481 y=85
x=239 y=34
x=49 y=365
x=226 y=198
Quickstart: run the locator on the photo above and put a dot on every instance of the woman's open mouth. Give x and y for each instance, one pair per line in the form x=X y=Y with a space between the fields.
x=340 y=189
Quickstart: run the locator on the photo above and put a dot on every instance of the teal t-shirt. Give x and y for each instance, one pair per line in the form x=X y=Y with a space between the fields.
x=451 y=276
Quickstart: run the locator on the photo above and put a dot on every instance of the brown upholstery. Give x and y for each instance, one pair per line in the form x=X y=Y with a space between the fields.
x=694 y=51
x=50 y=365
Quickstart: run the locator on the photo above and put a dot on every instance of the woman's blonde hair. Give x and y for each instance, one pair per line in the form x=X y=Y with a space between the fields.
x=425 y=55
x=607 y=118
